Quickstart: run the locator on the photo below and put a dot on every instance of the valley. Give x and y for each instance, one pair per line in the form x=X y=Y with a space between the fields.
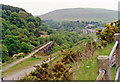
x=60 y=45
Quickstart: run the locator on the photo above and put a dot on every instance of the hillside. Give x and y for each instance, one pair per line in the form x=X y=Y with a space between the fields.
x=82 y=14
x=21 y=32
x=74 y=54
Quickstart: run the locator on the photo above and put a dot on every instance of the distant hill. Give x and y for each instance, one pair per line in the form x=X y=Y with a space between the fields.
x=82 y=14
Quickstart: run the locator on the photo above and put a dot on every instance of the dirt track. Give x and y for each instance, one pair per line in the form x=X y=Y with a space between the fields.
x=21 y=73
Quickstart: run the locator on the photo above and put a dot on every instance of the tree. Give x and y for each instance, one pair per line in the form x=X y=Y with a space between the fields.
x=5 y=24
x=15 y=32
x=31 y=19
x=7 y=32
x=41 y=40
x=11 y=8
x=26 y=32
x=25 y=48
x=14 y=16
x=31 y=26
x=37 y=32
x=38 y=20
x=23 y=14
x=12 y=27
x=55 y=37
x=12 y=44
x=50 y=31
x=15 y=19
x=4 y=53
x=23 y=38
x=43 y=27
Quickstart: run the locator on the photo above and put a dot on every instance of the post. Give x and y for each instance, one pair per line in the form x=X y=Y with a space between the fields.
x=117 y=38
x=91 y=45
x=104 y=64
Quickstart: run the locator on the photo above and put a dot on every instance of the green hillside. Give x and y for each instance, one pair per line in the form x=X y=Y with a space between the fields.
x=21 y=32
x=82 y=14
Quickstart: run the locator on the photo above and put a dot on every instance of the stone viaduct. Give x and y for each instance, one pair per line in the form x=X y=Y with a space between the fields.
x=45 y=49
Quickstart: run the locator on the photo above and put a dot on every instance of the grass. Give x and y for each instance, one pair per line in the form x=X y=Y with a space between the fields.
x=106 y=50
x=87 y=68
x=56 y=58
x=28 y=63
x=12 y=61
x=22 y=65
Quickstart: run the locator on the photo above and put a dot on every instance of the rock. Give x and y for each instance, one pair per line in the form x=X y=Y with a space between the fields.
x=88 y=67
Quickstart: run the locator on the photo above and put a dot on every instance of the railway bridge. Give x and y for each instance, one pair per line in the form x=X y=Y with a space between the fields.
x=43 y=50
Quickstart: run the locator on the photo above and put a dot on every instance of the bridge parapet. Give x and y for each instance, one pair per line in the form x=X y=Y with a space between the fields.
x=45 y=49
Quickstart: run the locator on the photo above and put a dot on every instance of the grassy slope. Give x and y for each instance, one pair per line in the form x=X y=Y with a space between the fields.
x=82 y=72
x=82 y=14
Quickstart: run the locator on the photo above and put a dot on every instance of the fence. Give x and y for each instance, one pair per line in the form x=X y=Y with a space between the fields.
x=106 y=62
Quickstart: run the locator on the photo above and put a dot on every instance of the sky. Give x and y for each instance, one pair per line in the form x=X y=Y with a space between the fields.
x=39 y=7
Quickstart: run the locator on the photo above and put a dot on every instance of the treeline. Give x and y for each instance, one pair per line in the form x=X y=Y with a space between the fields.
x=11 y=8
x=73 y=26
x=64 y=40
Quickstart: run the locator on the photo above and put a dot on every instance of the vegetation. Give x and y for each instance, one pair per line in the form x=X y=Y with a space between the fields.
x=86 y=68
x=61 y=69
x=73 y=26
x=58 y=72
x=107 y=36
x=21 y=32
x=24 y=65
x=81 y=14
x=69 y=56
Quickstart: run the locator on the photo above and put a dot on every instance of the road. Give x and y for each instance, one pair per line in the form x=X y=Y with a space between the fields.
x=25 y=57
x=22 y=73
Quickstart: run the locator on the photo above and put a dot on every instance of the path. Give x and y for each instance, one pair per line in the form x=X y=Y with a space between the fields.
x=22 y=73
x=25 y=57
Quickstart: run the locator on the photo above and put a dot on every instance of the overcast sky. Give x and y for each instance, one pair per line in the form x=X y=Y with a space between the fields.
x=38 y=7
